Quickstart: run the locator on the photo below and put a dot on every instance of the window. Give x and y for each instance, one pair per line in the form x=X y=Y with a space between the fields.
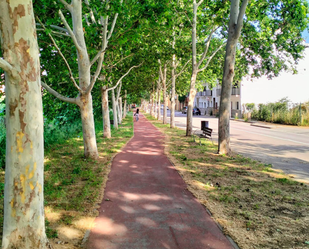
x=237 y=107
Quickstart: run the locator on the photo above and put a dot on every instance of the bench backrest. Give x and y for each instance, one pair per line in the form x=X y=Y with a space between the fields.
x=207 y=131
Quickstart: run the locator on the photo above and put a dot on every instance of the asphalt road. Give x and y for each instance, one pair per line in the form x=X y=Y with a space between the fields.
x=285 y=147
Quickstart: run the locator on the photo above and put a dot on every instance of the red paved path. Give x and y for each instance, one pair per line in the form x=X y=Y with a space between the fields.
x=149 y=206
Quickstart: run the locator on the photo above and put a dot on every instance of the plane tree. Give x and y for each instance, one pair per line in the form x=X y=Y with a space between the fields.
x=268 y=34
x=24 y=225
x=203 y=39
x=84 y=37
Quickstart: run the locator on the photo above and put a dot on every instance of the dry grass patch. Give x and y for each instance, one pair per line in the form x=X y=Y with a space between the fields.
x=256 y=205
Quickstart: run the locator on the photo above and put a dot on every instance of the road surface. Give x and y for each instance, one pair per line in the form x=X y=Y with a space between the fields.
x=285 y=147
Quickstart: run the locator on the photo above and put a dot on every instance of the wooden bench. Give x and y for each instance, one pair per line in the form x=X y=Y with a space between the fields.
x=206 y=133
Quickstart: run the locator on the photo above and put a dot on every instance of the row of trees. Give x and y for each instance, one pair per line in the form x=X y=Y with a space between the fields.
x=96 y=45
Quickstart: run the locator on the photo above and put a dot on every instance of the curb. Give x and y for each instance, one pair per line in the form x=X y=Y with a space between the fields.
x=261 y=126
x=252 y=123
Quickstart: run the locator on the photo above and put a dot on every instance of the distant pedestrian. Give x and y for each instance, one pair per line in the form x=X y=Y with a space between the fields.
x=136 y=114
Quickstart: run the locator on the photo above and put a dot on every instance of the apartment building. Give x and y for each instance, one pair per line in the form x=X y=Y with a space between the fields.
x=208 y=100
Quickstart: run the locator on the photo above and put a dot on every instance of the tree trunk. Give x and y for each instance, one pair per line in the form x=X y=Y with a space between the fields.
x=117 y=103
x=189 y=130
x=114 y=110
x=120 y=109
x=154 y=103
x=235 y=26
x=164 y=96
x=146 y=106
x=105 y=110
x=192 y=94
x=84 y=101
x=172 y=110
x=125 y=104
x=89 y=137
x=159 y=104
x=23 y=225
x=151 y=101
x=225 y=100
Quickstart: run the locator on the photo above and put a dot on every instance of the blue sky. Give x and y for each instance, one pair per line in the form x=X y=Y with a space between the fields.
x=306 y=36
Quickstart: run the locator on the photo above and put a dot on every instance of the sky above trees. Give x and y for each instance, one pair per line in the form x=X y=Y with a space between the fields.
x=295 y=87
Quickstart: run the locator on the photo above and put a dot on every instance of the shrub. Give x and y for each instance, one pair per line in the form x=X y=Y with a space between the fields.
x=279 y=112
x=264 y=113
x=58 y=132
x=250 y=106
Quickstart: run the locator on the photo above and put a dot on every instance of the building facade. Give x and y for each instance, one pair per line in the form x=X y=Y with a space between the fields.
x=208 y=100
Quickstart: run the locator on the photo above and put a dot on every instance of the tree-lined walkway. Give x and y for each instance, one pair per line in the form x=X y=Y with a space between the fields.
x=146 y=203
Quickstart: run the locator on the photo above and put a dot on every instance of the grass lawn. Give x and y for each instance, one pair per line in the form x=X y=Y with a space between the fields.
x=256 y=205
x=73 y=186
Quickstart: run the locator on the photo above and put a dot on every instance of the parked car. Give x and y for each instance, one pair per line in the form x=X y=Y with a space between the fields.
x=196 y=111
x=162 y=106
x=184 y=110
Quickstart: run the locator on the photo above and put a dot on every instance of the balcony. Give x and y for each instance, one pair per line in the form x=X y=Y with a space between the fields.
x=208 y=93
x=201 y=94
x=235 y=91
x=218 y=92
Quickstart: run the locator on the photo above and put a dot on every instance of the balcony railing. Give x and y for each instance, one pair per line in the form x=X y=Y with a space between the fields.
x=204 y=93
x=235 y=91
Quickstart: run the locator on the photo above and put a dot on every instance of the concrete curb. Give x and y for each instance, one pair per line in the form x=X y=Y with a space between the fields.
x=253 y=123
x=261 y=126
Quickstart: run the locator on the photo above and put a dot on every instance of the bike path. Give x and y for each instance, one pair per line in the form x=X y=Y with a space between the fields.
x=147 y=205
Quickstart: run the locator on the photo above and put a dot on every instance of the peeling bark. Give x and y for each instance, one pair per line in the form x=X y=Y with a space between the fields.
x=23 y=225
